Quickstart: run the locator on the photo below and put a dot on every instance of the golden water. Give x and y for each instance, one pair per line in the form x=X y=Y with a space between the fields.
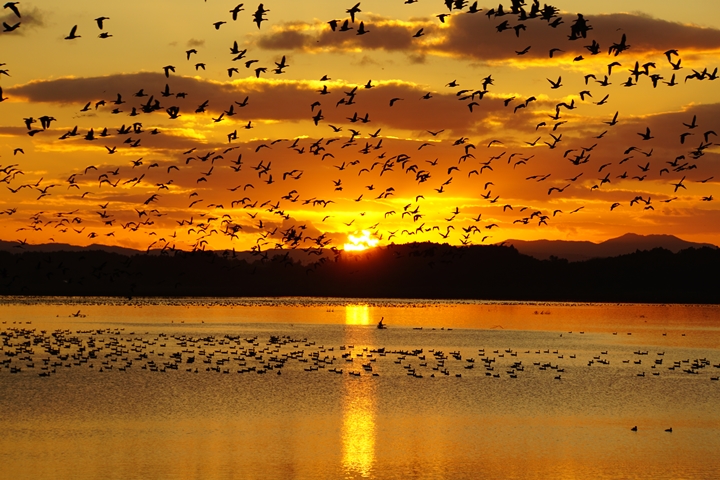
x=83 y=423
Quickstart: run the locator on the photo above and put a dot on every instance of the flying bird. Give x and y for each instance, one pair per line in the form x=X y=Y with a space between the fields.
x=238 y=8
x=72 y=35
x=10 y=28
x=352 y=11
x=100 y=21
x=12 y=6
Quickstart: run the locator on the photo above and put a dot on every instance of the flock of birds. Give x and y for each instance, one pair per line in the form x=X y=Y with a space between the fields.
x=111 y=351
x=45 y=353
x=174 y=205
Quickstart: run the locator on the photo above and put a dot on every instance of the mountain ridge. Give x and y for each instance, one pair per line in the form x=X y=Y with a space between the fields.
x=571 y=250
x=580 y=250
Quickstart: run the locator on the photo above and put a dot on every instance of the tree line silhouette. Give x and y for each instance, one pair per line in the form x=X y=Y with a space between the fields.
x=419 y=270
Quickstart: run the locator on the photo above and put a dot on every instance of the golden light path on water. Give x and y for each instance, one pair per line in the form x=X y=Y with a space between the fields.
x=359 y=407
x=357 y=315
x=139 y=417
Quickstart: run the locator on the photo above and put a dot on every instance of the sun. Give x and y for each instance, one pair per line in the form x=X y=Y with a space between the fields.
x=358 y=243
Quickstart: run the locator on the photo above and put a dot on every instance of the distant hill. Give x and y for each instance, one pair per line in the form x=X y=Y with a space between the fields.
x=16 y=247
x=298 y=255
x=576 y=251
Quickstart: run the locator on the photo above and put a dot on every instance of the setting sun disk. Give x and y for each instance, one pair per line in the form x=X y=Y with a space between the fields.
x=361 y=242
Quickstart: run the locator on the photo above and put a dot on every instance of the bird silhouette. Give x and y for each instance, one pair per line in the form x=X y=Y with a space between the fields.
x=13 y=8
x=353 y=10
x=380 y=154
x=72 y=35
x=238 y=8
x=100 y=21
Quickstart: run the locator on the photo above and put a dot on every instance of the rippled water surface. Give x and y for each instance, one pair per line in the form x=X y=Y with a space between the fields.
x=310 y=388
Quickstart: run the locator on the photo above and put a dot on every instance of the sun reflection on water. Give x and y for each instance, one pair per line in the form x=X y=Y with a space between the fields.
x=359 y=408
x=357 y=315
x=358 y=432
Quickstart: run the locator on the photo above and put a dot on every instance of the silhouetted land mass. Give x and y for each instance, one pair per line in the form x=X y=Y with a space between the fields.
x=584 y=250
x=13 y=247
x=420 y=270
x=541 y=249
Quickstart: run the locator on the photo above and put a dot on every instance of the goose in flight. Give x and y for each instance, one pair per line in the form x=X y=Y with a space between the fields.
x=236 y=10
x=100 y=21
x=352 y=11
x=9 y=28
x=618 y=48
x=646 y=135
x=557 y=189
x=613 y=121
x=259 y=15
x=555 y=85
x=281 y=65
x=679 y=185
x=73 y=34
x=345 y=26
x=692 y=124
x=13 y=8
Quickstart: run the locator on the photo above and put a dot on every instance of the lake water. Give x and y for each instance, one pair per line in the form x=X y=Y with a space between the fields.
x=311 y=389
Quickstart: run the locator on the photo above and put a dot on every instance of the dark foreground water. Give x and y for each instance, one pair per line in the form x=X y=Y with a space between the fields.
x=310 y=389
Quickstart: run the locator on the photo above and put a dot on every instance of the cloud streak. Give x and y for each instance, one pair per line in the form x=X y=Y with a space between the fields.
x=477 y=37
x=270 y=99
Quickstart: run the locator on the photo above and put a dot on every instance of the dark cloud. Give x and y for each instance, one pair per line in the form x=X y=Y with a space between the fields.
x=31 y=18
x=385 y=36
x=13 y=131
x=476 y=37
x=270 y=100
x=367 y=60
x=286 y=40
x=193 y=42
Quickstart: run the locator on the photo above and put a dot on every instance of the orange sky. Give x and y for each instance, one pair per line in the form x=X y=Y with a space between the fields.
x=518 y=164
